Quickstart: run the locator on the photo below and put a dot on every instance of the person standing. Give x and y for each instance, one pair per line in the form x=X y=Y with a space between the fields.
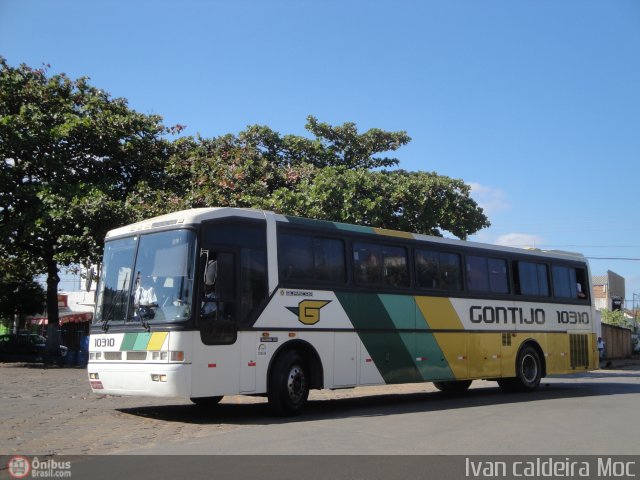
x=601 y=348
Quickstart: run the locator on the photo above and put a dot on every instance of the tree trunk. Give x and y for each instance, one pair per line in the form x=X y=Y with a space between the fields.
x=53 y=322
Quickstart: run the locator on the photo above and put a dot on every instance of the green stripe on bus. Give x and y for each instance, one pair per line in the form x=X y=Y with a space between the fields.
x=327 y=224
x=425 y=351
x=142 y=341
x=128 y=341
x=433 y=364
x=386 y=347
x=401 y=309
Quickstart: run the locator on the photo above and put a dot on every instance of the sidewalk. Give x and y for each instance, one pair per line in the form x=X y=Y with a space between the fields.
x=620 y=363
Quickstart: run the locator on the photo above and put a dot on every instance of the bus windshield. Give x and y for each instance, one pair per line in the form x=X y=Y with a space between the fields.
x=147 y=279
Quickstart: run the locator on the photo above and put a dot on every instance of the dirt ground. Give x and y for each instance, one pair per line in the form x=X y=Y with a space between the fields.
x=53 y=411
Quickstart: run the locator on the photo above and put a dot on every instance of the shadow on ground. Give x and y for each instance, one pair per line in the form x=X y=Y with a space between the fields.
x=387 y=404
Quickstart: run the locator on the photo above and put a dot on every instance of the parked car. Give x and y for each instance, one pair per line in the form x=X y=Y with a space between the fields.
x=27 y=347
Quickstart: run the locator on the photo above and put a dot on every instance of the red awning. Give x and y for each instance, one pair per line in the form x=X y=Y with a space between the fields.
x=65 y=317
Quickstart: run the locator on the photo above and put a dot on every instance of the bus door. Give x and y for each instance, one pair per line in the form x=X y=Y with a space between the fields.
x=226 y=302
x=218 y=318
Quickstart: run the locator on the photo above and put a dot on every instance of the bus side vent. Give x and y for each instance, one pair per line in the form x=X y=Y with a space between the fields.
x=136 y=355
x=579 y=344
x=506 y=339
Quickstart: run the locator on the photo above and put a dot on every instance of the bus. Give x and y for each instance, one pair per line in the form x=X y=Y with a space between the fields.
x=209 y=302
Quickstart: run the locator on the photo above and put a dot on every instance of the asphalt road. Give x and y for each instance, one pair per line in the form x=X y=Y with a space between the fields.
x=592 y=414
x=51 y=411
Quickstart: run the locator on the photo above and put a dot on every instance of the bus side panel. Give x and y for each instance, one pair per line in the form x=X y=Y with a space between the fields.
x=483 y=349
x=557 y=353
x=215 y=369
x=454 y=348
x=437 y=313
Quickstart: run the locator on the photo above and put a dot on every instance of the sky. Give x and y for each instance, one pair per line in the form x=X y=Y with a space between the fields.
x=534 y=103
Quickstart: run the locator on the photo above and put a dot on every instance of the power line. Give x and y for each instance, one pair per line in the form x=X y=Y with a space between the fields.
x=630 y=259
x=547 y=245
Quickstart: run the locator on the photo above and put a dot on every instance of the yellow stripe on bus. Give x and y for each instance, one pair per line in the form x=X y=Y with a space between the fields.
x=439 y=313
x=157 y=340
x=392 y=233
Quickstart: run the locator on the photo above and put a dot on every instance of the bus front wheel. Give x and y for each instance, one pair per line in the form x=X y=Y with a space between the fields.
x=288 y=384
x=206 y=401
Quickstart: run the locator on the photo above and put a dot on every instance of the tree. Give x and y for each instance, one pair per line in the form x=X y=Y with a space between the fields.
x=20 y=294
x=615 y=317
x=69 y=157
x=335 y=176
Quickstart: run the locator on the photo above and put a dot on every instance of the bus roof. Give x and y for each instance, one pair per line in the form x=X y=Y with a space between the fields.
x=197 y=215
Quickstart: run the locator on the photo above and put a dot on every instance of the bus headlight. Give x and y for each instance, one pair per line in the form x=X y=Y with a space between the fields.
x=177 y=356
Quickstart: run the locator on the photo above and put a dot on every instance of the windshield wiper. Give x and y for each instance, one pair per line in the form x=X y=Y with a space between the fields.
x=146 y=313
x=145 y=324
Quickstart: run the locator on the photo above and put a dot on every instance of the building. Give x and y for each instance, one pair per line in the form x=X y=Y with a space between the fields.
x=608 y=291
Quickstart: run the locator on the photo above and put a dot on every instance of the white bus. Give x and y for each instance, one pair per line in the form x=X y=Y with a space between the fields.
x=210 y=302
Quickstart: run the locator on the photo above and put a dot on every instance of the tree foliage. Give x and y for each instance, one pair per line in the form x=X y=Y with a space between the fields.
x=615 y=317
x=69 y=157
x=75 y=162
x=338 y=176
x=20 y=294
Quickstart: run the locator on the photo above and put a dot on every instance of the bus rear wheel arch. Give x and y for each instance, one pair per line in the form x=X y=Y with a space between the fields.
x=530 y=369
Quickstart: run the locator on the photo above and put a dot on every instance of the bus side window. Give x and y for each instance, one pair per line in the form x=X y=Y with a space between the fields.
x=531 y=278
x=486 y=274
x=367 y=263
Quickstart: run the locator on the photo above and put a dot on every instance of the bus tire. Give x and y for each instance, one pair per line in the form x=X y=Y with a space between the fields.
x=528 y=369
x=528 y=372
x=452 y=386
x=206 y=402
x=507 y=385
x=288 y=388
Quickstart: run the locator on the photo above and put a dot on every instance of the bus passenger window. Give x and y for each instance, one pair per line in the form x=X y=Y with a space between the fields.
x=304 y=257
x=395 y=271
x=532 y=279
x=564 y=282
x=570 y=282
x=367 y=263
x=295 y=256
x=438 y=270
x=329 y=262
x=487 y=274
x=380 y=265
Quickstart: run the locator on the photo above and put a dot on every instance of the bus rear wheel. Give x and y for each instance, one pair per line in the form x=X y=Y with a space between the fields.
x=206 y=402
x=452 y=386
x=288 y=384
x=528 y=372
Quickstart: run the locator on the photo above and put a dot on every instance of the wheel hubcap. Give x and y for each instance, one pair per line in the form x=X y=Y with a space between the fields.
x=296 y=384
x=529 y=368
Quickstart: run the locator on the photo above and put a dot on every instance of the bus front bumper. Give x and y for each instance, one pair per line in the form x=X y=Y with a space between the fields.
x=147 y=379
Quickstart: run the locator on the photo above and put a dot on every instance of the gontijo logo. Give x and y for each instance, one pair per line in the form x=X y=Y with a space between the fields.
x=308 y=311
